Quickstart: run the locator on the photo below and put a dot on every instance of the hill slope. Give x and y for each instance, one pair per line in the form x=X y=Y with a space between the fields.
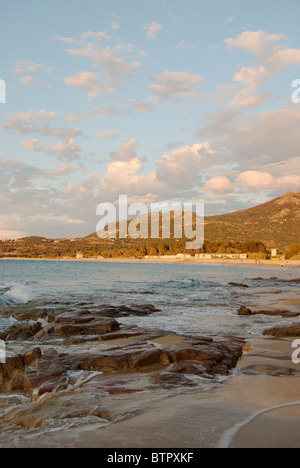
x=275 y=223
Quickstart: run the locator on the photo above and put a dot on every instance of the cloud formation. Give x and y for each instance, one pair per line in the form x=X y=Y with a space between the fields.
x=272 y=56
x=152 y=29
x=176 y=85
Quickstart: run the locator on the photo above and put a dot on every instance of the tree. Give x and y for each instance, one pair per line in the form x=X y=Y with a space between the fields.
x=294 y=249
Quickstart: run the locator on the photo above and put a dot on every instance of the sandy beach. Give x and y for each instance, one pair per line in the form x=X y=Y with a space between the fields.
x=166 y=260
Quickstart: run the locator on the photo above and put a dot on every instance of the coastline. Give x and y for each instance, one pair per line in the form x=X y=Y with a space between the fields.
x=149 y=404
x=290 y=264
x=256 y=406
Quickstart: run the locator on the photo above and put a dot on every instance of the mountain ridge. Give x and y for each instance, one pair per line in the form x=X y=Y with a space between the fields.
x=274 y=224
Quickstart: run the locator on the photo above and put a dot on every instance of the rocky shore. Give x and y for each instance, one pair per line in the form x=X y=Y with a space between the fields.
x=78 y=368
x=76 y=358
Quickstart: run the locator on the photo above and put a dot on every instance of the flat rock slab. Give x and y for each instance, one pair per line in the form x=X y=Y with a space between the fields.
x=215 y=357
x=279 y=313
x=292 y=331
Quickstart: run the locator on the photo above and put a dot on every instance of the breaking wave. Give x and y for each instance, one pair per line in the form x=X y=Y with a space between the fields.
x=16 y=293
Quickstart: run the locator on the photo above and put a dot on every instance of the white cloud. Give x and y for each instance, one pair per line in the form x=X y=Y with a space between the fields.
x=176 y=84
x=183 y=45
x=90 y=83
x=24 y=67
x=256 y=180
x=64 y=169
x=74 y=117
x=83 y=38
x=64 y=150
x=218 y=184
x=145 y=105
x=115 y=62
x=152 y=29
x=272 y=56
x=177 y=174
x=32 y=122
x=107 y=134
x=127 y=151
x=256 y=139
x=33 y=82
x=115 y=26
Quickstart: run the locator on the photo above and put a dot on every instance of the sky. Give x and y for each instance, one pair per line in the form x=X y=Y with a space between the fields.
x=162 y=101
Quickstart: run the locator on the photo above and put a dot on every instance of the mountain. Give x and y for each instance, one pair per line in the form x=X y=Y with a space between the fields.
x=275 y=223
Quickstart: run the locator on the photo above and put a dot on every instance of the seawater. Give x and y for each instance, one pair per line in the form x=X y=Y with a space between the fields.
x=193 y=298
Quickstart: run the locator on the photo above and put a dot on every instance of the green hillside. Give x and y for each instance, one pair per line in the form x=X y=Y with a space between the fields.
x=275 y=224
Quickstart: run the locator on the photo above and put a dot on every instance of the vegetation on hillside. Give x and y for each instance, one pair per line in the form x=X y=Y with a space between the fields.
x=275 y=224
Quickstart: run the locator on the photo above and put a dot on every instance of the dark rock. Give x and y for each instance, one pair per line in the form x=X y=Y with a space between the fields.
x=274 y=278
x=126 y=311
x=245 y=311
x=34 y=373
x=275 y=371
x=284 y=331
x=195 y=354
x=190 y=369
x=125 y=359
x=216 y=357
x=12 y=374
x=238 y=285
x=21 y=332
x=297 y=280
x=170 y=379
x=94 y=327
x=45 y=375
x=72 y=325
x=279 y=313
x=30 y=314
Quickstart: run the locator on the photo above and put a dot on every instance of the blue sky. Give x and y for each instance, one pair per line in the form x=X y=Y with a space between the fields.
x=161 y=101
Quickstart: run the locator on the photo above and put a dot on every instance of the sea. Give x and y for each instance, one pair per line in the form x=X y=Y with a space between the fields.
x=192 y=298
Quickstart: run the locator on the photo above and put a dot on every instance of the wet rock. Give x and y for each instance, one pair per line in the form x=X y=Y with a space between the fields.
x=284 y=331
x=33 y=373
x=21 y=331
x=12 y=374
x=71 y=325
x=46 y=374
x=190 y=369
x=245 y=311
x=279 y=313
x=297 y=280
x=126 y=311
x=275 y=371
x=95 y=327
x=216 y=357
x=61 y=409
x=170 y=379
x=125 y=333
x=30 y=314
x=195 y=354
x=274 y=278
x=238 y=285
x=120 y=359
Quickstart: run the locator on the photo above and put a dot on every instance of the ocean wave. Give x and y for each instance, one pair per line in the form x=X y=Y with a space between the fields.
x=16 y=293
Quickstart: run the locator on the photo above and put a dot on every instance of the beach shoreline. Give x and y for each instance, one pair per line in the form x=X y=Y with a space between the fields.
x=286 y=264
x=255 y=405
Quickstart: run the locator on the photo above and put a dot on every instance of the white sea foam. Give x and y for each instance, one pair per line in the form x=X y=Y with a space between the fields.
x=18 y=293
x=230 y=434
